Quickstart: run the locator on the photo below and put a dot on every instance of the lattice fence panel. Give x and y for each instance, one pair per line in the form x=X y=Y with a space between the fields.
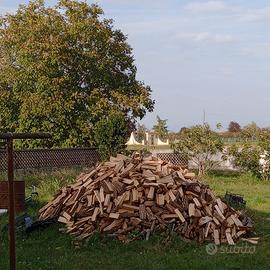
x=175 y=158
x=51 y=158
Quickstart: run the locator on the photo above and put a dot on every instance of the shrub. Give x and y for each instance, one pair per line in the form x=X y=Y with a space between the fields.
x=247 y=156
x=200 y=144
x=110 y=135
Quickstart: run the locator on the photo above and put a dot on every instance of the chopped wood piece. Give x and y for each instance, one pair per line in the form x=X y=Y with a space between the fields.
x=216 y=221
x=172 y=196
x=229 y=238
x=89 y=199
x=207 y=230
x=127 y=181
x=130 y=207
x=191 y=210
x=189 y=175
x=135 y=195
x=145 y=194
x=219 y=212
x=94 y=216
x=149 y=203
x=127 y=169
x=107 y=199
x=62 y=220
x=101 y=194
x=160 y=199
x=251 y=240
x=165 y=216
x=114 y=215
x=66 y=216
x=236 y=221
x=181 y=217
x=109 y=185
x=216 y=237
x=197 y=203
x=181 y=192
x=240 y=233
x=109 y=207
x=142 y=212
x=114 y=224
x=165 y=180
x=151 y=192
x=220 y=205
x=204 y=220
x=230 y=221
x=135 y=221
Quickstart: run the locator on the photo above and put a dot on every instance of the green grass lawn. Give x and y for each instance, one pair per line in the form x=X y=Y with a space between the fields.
x=51 y=249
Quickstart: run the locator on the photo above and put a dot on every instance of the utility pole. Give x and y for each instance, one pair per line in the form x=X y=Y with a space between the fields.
x=203 y=116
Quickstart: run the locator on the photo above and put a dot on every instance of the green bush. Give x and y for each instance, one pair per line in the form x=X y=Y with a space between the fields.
x=110 y=135
x=199 y=144
x=246 y=156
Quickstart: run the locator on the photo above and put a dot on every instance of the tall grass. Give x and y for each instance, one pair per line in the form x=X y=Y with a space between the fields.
x=47 y=183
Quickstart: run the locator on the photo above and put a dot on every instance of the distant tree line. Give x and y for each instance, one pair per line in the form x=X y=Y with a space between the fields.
x=200 y=144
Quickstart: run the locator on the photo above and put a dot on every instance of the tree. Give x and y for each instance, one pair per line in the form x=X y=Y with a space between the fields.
x=247 y=155
x=234 y=127
x=251 y=131
x=172 y=136
x=141 y=130
x=161 y=128
x=199 y=144
x=218 y=126
x=64 y=68
x=110 y=135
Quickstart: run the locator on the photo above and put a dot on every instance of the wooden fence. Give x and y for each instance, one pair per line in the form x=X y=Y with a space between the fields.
x=50 y=158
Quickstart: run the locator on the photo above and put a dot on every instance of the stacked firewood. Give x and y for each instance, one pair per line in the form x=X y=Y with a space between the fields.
x=146 y=195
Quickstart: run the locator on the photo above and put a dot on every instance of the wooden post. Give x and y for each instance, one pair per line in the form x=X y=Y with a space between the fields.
x=9 y=137
x=11 y=206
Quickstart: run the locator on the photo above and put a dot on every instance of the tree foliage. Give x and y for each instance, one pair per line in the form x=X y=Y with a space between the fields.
x=110 y=135
x=63 y=69
x=251 y=132
x=234 y=127
x=161 y=128
x=199 y=144
x=140 y=132
x=246 y=156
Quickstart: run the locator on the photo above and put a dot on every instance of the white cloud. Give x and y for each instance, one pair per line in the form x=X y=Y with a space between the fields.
x=253 y=15
x=241 y=13
x=222 y=38
x=255 y=50
x=205 y=37
x=209 y=6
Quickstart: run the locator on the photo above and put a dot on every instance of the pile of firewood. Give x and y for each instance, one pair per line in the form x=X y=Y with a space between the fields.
x=146 y=195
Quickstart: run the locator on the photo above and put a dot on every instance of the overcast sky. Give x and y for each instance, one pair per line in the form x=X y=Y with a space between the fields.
x=197 y=55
